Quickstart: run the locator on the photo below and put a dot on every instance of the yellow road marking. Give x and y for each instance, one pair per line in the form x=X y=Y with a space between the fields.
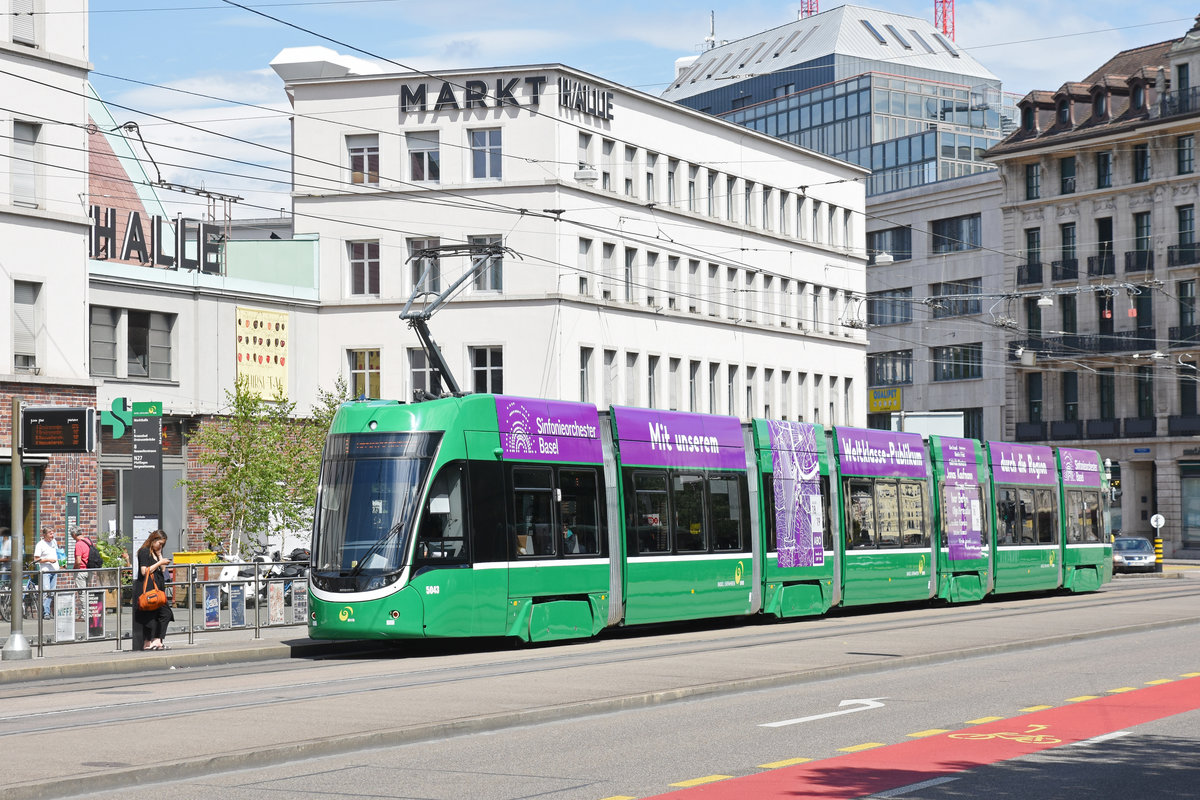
x=705 y=779
x=1037 y=708
x=857 y=747
x=1081 y=698
x=1190 y=675
x=982 y=720
x=930 y=732
x=791 y=762
x=1123 y=689
x=1157 y=682
x=620 y=797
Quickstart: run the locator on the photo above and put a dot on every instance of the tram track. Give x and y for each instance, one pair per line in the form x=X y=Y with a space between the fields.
x=130 y=706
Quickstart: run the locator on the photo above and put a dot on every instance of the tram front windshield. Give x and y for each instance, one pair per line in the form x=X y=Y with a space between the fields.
x=369 y=496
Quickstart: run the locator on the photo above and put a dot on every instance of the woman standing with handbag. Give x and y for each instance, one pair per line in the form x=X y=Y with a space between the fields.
x=150 y=576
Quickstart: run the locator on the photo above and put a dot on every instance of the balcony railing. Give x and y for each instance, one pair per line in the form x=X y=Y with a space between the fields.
x=1103 y=428
x=1139 y=260
x=1183 y=425
x=1174 y=104
x=1065 y=270
x=1137 y=426
x=1181 y=255
x=1030 y=272
x=1184 y=335
x=1031 y=431
x=1103 y=264
x=1076 y=344
x=1066 y=429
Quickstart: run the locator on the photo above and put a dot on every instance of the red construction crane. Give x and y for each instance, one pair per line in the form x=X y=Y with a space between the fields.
x=807 y=8
x=943 y=17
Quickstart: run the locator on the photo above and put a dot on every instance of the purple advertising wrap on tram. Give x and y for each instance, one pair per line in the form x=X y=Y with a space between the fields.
x=1023 y=463
x=796 y=476
x=1080 y=467
x=964 y=511
x=548 y=430
x=880 y=453
x=676 y=439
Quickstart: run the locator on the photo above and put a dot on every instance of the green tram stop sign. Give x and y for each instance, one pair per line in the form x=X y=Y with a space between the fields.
x=58 y=429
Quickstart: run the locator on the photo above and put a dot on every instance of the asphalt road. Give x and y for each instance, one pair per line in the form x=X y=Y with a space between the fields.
x=638 y=715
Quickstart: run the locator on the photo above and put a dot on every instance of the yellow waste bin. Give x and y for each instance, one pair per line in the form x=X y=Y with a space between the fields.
x=202 y=573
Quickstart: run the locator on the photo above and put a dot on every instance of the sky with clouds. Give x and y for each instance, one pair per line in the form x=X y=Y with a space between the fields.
x=183 y=61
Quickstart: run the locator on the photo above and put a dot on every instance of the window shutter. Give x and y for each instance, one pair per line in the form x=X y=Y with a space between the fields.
x=24 y=185
x=24 y=319
x=23 y=26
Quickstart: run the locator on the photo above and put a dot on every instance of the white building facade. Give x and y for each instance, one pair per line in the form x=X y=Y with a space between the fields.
x=654 y=256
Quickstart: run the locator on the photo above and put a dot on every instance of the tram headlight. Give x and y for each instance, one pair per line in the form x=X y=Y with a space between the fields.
x=395 y=614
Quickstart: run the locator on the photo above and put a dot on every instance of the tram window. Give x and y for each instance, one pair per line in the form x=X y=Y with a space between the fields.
x=691 y=535
x=1074 y=516
x=768 y=522
x=862 y=516
x=1008 y=518
x=443 y=532
x=1047 y=517
x=650 y=515
x=887 y=514
x=1028 y=516
x=533 y=511
x=827 y=520
x=972 y=496
x=914 y=531
x=487 y=498
x=1091 y=516
x=578 y=511
x=727 y=511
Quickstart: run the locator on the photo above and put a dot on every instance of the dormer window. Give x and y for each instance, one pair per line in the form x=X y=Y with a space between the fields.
x=1099 y=105
x=1027 y=119
x=1064 y=112
x=1139 y=96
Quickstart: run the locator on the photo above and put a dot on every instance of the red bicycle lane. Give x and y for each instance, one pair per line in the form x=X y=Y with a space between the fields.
x=870 y=771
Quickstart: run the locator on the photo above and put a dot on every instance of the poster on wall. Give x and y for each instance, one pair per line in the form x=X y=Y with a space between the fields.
x=64 y=617
x=262 y=350
x=299 y=601
x=95 y=614
x=212 y=605
x=275 y=603
x=237 y=605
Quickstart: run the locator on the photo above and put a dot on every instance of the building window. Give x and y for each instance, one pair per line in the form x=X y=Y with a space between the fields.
x=25 y=325
x=491 y=276
x=585 y=265
x=148 y=344
x=426 y=271
x=1066 y=234
x=1070 y=396
x=423 y=157
x=1066 y=169
x=691 y=191
x=1099 y=106
x=889 y=369
x=485 y=153
x=1104 y=170
x=1070 y=315
x=585 y=374
x=896 y=242
x=1028 y=118
x=956 y=234
x=1033 y=396
x=1033 y=181
x=364 y=268
x=426 y=379
x=672 y=168
x=1033 y=245
x=730 y=206
x=1186 y=292
x=103 y=340
x=1185 y=223
x=1185 y=154
x=363 y=151
x=651 y=381
x=953 y=299
x=1106 y=391
x=630 y=156
x=487 y=369
x=958 y=362
x=24 y=22
x=1141 y=163
x=606 y=165
x=1145 y=392
x=889 y=308
x=1141 y=231
x=24 y=163
x=972 y=422
x=364 y=374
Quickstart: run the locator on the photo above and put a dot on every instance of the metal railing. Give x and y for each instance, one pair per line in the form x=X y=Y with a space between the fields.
x=102 y=600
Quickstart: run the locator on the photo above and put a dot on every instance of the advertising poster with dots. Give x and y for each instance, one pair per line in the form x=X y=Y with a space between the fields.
x=262 y=350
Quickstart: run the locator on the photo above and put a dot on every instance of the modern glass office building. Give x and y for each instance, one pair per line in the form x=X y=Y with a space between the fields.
x=878 y=89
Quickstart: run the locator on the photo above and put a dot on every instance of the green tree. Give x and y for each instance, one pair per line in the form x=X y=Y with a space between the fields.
x=258 y=466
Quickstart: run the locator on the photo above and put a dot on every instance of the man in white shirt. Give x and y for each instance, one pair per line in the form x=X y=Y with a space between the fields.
x=45 y=555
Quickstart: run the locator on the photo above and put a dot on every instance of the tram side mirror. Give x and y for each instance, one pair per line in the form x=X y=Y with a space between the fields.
x=439 y=504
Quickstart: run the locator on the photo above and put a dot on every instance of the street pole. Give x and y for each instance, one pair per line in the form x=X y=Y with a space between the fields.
x=17 y=646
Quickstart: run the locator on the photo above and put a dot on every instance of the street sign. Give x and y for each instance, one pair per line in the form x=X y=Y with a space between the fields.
x=1157 y=521
x=58 y=429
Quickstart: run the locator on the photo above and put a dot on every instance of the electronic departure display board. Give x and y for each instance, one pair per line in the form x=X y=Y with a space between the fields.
x=58 y=429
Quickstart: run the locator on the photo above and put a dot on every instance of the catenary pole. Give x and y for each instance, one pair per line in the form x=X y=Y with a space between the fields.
x=17 y=646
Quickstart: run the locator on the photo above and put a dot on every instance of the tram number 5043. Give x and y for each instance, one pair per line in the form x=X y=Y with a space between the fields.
x=433 y=590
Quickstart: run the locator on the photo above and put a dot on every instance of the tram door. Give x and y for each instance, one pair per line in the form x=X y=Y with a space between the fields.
x=442 y=573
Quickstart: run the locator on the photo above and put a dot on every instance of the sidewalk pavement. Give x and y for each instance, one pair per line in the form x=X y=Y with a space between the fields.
x=216 y=647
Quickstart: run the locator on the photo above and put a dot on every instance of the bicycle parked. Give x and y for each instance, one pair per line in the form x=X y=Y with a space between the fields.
x=28 y=599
